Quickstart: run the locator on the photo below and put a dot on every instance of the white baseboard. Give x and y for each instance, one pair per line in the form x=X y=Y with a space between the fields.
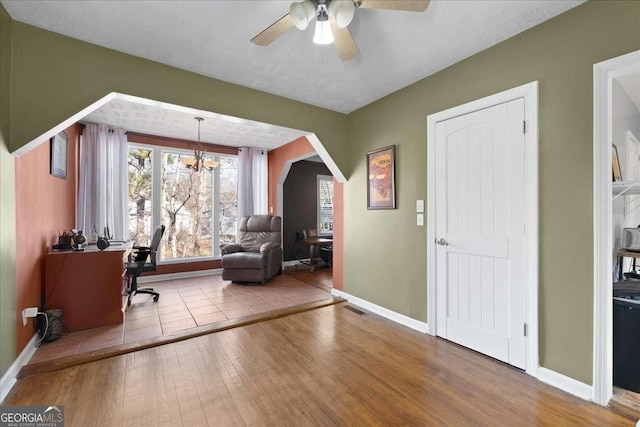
x=384 y=312
x=176 y=276
x=565 y=383
x=8 y=380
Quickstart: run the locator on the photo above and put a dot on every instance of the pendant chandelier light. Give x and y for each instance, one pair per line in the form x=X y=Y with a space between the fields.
x=198 y=162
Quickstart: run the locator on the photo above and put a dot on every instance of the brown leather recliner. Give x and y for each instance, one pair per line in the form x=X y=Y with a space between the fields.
x=257 y=255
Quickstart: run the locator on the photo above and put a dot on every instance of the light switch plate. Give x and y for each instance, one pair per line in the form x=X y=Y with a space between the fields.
x=420 y=219
x=419 y=206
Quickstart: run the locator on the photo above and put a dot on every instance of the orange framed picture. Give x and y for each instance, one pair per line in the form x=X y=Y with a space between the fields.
x=381 y=181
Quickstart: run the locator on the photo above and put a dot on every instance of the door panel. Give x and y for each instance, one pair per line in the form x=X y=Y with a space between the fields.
x=480 y=212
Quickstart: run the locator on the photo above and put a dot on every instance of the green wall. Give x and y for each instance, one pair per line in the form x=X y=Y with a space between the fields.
x=7 y=207
x=385 y=252
x=54 y=77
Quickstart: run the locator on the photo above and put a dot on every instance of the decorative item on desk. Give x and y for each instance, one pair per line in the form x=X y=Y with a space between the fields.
x=70 y=239
x=103 y=240
x=79 y=240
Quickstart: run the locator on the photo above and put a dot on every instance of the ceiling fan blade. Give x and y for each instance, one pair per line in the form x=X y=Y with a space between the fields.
x=345 y=44
x=408 y=5
x=272 y=32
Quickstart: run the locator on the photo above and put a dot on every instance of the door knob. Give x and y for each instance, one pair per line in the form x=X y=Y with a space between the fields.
x=442 y=242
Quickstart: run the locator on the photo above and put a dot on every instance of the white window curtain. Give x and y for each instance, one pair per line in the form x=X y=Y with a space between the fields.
x=103 y=189
x=252 y=181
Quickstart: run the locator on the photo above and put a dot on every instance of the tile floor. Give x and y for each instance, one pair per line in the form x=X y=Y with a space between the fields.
x=186 y=304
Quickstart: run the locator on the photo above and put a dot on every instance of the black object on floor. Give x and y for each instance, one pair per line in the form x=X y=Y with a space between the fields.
x=626 y=335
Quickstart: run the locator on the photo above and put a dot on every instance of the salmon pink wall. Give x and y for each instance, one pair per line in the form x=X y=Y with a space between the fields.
x=45 y=204
x=278 y=158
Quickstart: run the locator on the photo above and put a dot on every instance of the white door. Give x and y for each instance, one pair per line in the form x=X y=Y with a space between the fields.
x=480 y=229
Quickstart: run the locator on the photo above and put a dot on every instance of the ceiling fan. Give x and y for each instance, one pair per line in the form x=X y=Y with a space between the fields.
x=332 y=18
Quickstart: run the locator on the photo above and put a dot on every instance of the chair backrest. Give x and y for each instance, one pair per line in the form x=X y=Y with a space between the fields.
x=155 y=243
x=255 y=230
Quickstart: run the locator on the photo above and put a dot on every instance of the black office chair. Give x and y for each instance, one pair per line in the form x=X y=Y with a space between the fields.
x=140 y=265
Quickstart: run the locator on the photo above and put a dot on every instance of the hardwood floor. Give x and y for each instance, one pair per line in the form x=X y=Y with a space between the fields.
x=328 y=366
x=185 y=306
x=320 y=278
x=625 y=402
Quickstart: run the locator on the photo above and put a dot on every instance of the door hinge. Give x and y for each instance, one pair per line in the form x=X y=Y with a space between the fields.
x=525 y=329
x=524 y=126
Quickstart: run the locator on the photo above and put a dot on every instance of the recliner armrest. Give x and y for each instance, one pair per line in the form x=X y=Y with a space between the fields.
x=229 y=248
x=268 y=247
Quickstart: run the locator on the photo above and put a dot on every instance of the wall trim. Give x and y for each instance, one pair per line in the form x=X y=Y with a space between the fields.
x=603 y=75
x=529 y=92
x=181 y=275
x=384 y=312
x=565 y=383
x=282 y=178
x=8 y=380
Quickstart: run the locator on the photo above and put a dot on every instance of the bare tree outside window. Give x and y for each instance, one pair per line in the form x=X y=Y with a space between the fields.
x=228 y=199
x=197 y=215
x=139 y=172
x=325 y=204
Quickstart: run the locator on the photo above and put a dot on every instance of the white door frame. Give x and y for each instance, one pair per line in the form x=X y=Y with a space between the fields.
x=529 y=92
x=603 y=75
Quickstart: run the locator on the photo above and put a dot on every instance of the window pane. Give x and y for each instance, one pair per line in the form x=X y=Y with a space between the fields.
x=228 y=199
x=325 y=205
x=186 y=208
x=139 y=169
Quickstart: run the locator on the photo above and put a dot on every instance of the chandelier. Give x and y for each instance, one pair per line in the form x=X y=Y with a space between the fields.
x=198 y=162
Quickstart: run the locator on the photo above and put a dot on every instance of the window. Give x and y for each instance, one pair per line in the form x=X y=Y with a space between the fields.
x=139 y=172
x=325 y=205
x=198 y=209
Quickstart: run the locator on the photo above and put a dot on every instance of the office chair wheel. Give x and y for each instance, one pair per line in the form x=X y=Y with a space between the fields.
x=155 y=298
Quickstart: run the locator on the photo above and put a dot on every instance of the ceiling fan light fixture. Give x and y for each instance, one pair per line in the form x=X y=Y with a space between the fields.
x=323 y=34
x=302 y=13
x=342 y=11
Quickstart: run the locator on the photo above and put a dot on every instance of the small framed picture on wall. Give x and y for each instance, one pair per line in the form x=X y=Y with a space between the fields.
x=59 y=155
x=381 y=182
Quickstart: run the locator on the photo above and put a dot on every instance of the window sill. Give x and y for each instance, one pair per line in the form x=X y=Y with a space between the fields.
x=188 y=260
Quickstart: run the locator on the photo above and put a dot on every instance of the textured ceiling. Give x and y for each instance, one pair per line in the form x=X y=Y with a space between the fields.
x=213 y=38
x=136 y=115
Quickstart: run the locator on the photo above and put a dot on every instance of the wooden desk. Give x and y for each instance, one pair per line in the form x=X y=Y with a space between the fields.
x=90 y=286
x=315 y=243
